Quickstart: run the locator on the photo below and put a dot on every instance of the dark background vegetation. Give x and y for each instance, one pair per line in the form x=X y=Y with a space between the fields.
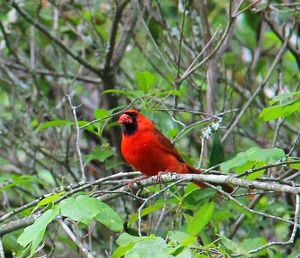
x=219 y=78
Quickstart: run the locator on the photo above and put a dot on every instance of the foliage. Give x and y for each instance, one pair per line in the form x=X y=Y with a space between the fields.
x=220 y=79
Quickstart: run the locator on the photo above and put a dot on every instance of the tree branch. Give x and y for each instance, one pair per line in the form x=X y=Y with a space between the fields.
x=46 y=32
x=113 y=34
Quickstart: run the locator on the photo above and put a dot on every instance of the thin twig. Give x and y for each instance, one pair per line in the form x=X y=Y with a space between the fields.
x=110 y=116
x=201 y=152
x=186 y=128
x=247 y=208
x=180 y=40
x=293 y=234
x=70 y=189
x=294 y=145
x=277 y=164
x=161 y=216
x=214 y=179
x=2 y=254
x=202 y=51
x=211 y=54
x=152 y=39
x=46 y=32
x=73 y=237
x=261 y=86
x=149 y=198
x=237 y=13
x=242 y=217
x=46 y=72
x=83 y=178
x=177 y=82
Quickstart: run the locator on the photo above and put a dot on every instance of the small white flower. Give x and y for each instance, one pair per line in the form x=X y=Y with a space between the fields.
x=2 y=44
x=175 y=32
x=216 y=124
x=107 y=49
x=207 y=132
x=12 y=16
x=88 y=40
x=129 y=47
x=196 y=30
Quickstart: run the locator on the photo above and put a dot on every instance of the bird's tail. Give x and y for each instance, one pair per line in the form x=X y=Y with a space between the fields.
x=227 y=188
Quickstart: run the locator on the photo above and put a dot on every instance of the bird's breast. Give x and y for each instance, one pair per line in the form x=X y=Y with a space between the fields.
x=146 y=154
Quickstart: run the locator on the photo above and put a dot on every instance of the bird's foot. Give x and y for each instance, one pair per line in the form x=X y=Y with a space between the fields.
x=163 y=175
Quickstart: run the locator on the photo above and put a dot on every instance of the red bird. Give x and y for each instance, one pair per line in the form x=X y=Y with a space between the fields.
x=148 y=150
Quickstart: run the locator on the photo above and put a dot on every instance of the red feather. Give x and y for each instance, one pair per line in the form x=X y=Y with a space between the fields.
x=147 y=149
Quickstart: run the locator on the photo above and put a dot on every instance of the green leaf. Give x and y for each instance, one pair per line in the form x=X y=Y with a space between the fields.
x=126 y=242
x=109 y=217
x=90 y=128
x=234 y=247
x=72 y=209
x=101 y=113
x=10 y=242
x=20 y=180
x=178 y=236
x=267 y=155
x=52 y=123
x=172 y=92
x=35 y=123
x=239 y=160
x=46 y=177
x=145 y=80
x=149 y=248
x=37 y=240
x=253 y=243
x=246 y=32
x=185 y=253
x=178 y=242
x=280 y=111
x=217 y=151
x=84 y=209
x=200 y=219
x=125 y=239
x=122 y=250
x=296 y=165
x=34 y=233
x=252 y=157
x=284 y=96
x=50 y=199
x=100 y=153
x=124 y=92
x=194 y=197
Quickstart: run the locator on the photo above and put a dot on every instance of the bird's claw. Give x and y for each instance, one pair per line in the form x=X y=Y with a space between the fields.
x=132 y=183
x=163 y=175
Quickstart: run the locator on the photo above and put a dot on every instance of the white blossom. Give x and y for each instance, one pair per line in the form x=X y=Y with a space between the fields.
x=207 y=132
x=216 y=124
x=12 y=16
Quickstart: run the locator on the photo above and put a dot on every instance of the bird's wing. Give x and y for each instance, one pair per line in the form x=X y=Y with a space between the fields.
x=165 y=144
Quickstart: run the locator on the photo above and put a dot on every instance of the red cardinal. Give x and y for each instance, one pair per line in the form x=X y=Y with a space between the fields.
x=147 y=149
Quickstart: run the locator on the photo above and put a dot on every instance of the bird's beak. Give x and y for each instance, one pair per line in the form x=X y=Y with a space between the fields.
x=125 y=119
